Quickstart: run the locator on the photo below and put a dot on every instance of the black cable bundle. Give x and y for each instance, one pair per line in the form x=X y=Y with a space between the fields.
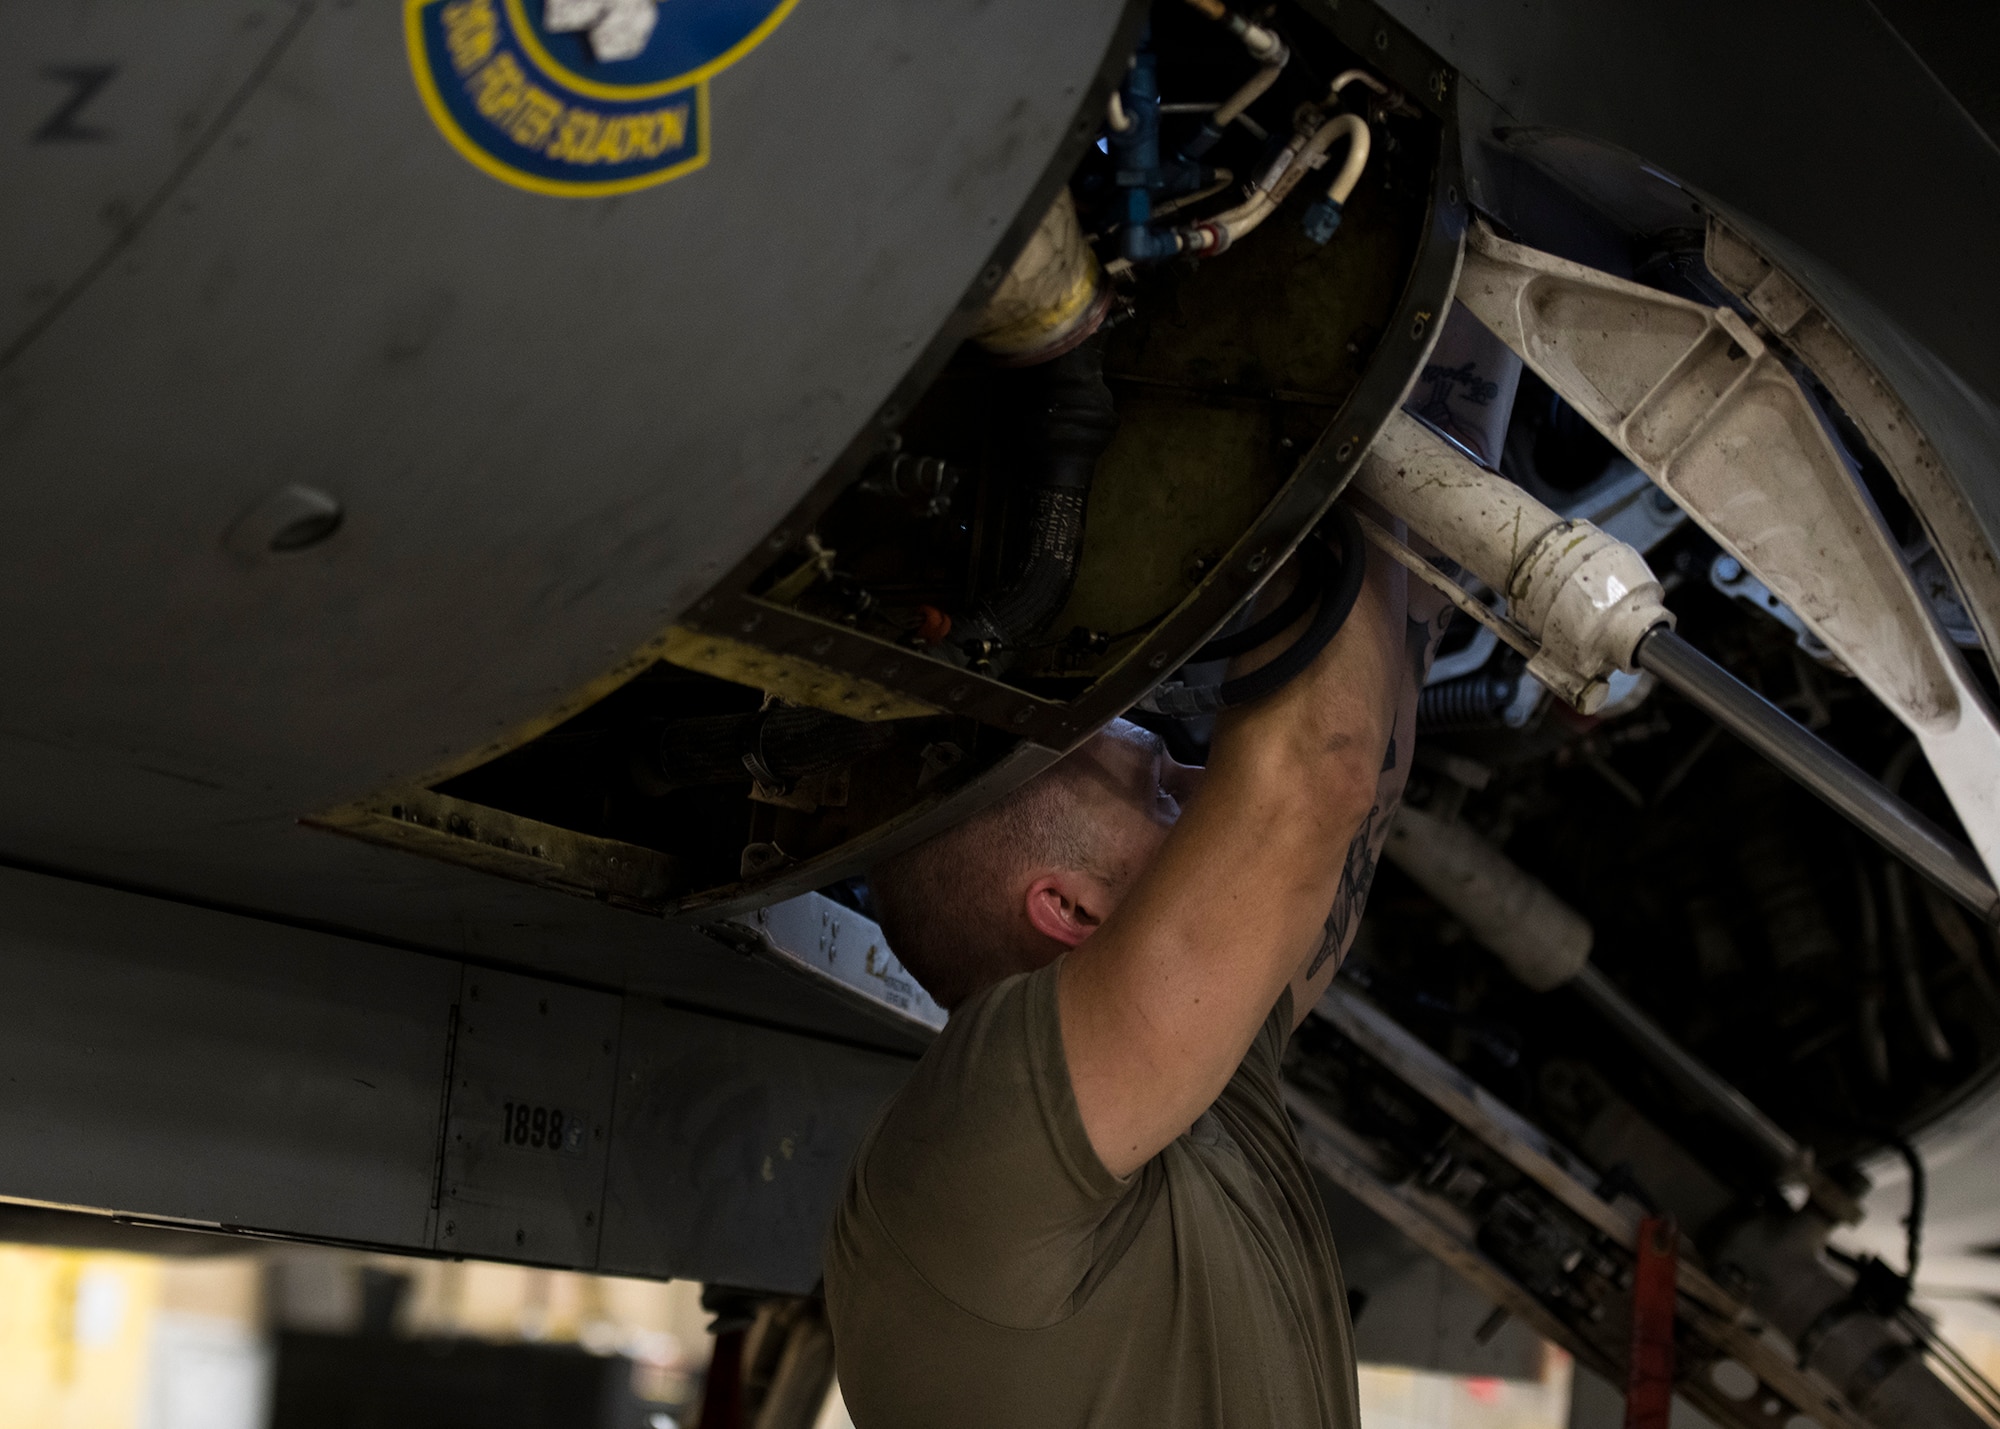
x=1335 y=589
x=780 y=744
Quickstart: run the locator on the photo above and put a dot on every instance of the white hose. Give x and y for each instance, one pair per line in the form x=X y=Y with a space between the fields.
x=1212 y=235
x=1223 y=179
x=1263 y=45
x=1252 y=90
x=1293 y=163
x=1354 y=76
x=1356 y=130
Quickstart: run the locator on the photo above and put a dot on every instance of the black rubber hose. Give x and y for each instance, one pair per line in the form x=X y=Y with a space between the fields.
x=1305 y=590
x=1068 y=421
x=1336 y=602
x=1336 y=591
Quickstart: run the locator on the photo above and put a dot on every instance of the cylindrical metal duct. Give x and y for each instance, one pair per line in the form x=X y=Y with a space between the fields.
x=1052 y=298
x=1543 y=941
x=1546 y=944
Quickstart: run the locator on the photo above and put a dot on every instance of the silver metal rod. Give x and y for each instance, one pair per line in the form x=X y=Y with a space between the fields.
x=1693 y=1076
x=1825 y=771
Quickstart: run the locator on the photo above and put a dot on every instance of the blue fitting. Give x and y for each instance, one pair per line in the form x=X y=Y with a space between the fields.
x=1139 y=243
x=1136 y=165
x=1136 y=152
x=1139 y=170
x=1322 y=220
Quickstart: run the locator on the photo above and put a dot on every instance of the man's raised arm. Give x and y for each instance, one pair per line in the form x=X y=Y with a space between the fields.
x=1429 y=614
x=1159 y=1006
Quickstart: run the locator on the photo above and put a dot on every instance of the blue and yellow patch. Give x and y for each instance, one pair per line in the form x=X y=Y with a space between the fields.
x=536 y=107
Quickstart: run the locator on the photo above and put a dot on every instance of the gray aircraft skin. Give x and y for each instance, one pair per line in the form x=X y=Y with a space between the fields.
x=255 y=285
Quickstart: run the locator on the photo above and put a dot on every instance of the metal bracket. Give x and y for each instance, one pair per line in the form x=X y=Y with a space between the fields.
x=1699 y=400
x=1789 y=313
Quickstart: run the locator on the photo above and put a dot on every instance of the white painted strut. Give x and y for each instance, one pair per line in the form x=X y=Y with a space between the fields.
x=1699 y=401
x=1581 y=604
x=1585 y=598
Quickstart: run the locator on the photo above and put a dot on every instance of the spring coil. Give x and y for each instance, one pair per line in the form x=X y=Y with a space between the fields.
x=1472 y=702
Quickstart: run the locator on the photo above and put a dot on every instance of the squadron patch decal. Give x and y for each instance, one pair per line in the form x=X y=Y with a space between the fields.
x=579 y=98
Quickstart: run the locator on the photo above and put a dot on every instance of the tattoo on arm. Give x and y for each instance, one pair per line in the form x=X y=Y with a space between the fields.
x=1355 y=877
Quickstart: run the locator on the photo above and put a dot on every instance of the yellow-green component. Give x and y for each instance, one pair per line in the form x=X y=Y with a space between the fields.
x=1225 y=378
x=1175 y=490
x=788 y=677
x=495 y=841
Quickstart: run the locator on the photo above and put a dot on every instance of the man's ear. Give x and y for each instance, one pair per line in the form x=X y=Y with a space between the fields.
x=1059 y=907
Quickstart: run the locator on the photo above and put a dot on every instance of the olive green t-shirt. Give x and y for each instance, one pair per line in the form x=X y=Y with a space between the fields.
x=984 y=1269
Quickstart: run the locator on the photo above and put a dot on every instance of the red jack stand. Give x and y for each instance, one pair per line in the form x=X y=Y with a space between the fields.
x=1649 y=1384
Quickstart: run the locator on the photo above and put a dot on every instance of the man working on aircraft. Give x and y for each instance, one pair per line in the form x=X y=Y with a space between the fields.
x=1087 y=1207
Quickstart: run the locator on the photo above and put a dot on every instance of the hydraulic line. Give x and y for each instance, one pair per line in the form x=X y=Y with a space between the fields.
x=1546 y=944
x=1354 y=129
x=1223 y=179
x=1324 y=216
x=1336 y=603
x=1264 y=46
x=1269 y=627
x=1820 y=768
x=1133 y=120
x=1349 y=77
x=1586 y=604
x=1284 y=173
x=1692 y=1075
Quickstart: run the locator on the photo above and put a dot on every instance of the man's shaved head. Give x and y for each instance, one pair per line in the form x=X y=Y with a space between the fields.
x=954 y=908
